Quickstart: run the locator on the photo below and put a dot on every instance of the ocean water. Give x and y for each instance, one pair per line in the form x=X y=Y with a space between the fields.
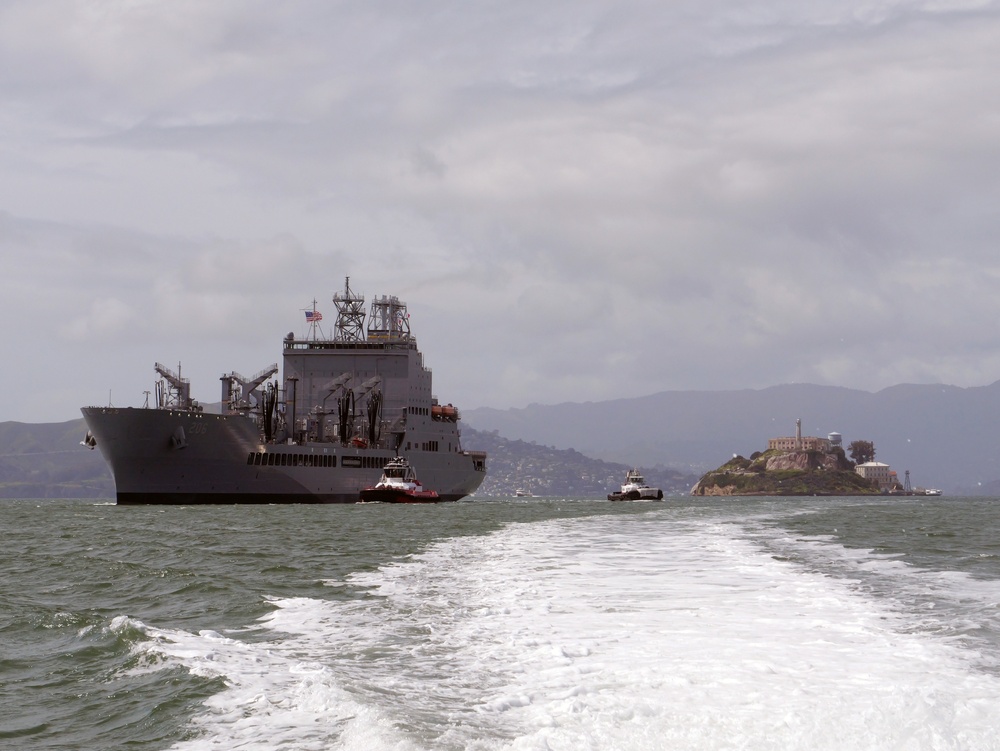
x=543 y=624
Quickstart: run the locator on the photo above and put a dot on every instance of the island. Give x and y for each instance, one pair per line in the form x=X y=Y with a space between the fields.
x=791 y=466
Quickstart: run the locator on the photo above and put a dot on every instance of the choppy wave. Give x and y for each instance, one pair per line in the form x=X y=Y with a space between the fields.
x=628 y=632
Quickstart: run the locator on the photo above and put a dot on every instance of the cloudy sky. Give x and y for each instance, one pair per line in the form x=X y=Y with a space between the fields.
x=578 y=200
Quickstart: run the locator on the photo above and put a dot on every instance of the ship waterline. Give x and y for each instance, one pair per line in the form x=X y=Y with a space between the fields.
x=347 y=406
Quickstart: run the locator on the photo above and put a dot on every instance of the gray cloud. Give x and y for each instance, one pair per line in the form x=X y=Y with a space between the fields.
x=578 y=201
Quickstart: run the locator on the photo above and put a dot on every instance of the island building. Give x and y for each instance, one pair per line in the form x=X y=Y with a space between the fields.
x=877 y=473
x=881 y=474
x=798 y=442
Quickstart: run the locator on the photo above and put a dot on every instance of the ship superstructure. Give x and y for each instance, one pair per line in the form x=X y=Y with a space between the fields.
x=346 y=405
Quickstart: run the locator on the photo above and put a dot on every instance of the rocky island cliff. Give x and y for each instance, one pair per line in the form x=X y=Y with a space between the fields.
x=777 y=472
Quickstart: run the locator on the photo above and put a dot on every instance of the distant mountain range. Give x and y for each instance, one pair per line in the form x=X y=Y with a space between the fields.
x=545 y=471
x=947 y=437
x=46 y=460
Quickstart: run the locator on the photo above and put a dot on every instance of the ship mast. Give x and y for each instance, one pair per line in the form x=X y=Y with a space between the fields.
x=313 y=317
x=350 y=315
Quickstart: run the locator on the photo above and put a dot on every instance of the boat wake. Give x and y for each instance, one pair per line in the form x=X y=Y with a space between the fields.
x=629 y=632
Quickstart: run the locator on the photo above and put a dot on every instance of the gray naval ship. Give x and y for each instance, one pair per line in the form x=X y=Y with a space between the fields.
x=347 y=404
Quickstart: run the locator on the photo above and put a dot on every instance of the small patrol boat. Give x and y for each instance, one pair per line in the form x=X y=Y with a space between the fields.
x=398 y=484
x=635 y=489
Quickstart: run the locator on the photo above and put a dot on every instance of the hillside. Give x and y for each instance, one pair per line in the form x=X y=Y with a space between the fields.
x=547 y=471
x=945 y=435
x=47 y=461
x=787 y=473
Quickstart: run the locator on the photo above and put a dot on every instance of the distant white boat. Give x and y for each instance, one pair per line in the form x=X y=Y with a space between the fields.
x=522 y=493
x=932 y=491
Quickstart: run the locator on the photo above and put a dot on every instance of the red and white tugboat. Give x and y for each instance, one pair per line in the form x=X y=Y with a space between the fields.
x=398 y=484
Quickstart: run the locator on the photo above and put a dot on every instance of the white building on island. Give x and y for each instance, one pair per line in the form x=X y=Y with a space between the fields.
x=879 y=473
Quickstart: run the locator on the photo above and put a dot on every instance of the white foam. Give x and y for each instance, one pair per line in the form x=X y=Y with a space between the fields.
x=953 y=603
x=273 y=699
x=626 y=632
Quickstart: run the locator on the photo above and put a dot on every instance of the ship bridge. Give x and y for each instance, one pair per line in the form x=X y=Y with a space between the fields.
x=381 y=382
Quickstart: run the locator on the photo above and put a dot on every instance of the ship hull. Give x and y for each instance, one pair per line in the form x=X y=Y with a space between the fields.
x=160 y=456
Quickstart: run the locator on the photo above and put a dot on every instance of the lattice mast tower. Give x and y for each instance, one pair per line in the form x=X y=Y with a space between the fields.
x=350 y=326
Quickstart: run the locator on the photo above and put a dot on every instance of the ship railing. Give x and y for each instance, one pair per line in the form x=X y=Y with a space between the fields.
x=478 y=459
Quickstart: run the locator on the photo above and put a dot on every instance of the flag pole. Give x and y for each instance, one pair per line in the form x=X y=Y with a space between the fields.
x=314 y=317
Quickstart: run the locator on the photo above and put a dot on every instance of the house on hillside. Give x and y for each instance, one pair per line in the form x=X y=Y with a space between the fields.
x=878 y=473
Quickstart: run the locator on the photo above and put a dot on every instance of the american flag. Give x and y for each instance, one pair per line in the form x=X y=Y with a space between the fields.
x=314 y=316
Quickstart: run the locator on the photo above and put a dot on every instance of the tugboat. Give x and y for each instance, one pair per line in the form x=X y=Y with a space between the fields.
x=398 y=484
x=635 y=489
